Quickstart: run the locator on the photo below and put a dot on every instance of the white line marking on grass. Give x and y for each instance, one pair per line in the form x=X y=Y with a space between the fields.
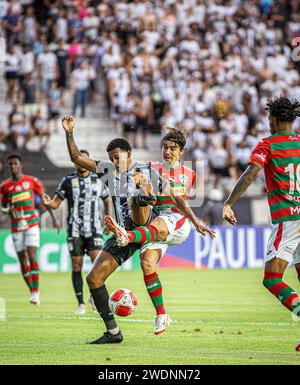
x=133 y=320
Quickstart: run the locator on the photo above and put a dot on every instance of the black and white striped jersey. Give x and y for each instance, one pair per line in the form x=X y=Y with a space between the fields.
x=122 y=187
x=85 y=206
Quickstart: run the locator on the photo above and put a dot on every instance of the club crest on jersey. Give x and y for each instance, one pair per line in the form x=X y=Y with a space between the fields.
x=183 y=179
x=26 y=185
x=75 y=183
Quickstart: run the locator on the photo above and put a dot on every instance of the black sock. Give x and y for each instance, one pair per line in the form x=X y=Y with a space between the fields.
x=78 y=285
x=101 y=297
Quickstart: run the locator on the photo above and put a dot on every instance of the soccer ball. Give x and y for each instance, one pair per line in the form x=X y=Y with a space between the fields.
x=122 y=302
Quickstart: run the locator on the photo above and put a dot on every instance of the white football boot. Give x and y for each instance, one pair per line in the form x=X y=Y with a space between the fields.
x=161 y=322
x=35 y=298
x=119 y=232
x=81 y=309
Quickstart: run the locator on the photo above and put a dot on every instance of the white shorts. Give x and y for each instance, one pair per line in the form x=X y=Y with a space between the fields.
x=23 y=239
x=179 y=229
x=284 y=242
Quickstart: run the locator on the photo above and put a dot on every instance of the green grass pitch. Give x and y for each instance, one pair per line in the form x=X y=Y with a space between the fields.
x=220 y=317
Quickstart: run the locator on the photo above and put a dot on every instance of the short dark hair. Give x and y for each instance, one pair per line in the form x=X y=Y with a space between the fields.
x=175 y=135
x=283 y=109
x=14 y=156
x=122 y=143
x=83 y=151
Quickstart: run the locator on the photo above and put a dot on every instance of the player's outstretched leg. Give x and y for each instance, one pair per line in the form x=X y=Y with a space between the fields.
x=155 y=231
x=104 y=265
x=149 y=260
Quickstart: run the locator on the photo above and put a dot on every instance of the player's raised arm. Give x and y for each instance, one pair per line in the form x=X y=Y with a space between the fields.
x=245 y=180
x=68 y=123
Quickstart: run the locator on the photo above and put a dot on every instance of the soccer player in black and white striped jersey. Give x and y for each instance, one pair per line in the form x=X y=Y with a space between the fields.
x=88 y=200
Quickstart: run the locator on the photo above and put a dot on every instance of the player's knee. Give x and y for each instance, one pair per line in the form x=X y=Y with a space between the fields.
x=148 y=266
x=94 y=281
x=76 y=267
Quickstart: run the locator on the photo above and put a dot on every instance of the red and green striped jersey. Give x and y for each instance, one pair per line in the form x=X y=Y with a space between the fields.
x=181 y=180
x=279 y=154
x=19 y=195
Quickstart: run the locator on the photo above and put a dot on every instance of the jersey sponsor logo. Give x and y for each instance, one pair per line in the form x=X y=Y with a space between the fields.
x=295 y=210
x=26 y=185
x=18 y=188
x=75 y=183
x=290 y=198
x=24 y=196
x=179 y=190
x=261 y=156
x=294 y=138
x=151 y=286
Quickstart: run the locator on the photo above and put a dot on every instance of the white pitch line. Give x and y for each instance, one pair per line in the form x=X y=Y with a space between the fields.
x=133 y=320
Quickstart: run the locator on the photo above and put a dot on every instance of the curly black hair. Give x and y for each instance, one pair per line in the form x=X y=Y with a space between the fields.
x=175 y=135
x=283 y=109
x=122 y=143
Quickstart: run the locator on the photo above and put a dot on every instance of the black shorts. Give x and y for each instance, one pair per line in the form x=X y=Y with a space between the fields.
x=79 y=246
x=142 y=123
x=122 y=254
x=129 y=127
x=11 y=75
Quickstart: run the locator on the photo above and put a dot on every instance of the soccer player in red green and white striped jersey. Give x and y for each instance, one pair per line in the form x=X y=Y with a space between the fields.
x=279 y=155
x=17 y=200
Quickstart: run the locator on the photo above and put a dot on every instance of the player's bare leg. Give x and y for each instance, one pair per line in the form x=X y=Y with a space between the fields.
x=93 y=254
x=102 y=268
x=77 y=262
x=149 y=261
x=34 y=268
x=139 y=215
x=274 y=270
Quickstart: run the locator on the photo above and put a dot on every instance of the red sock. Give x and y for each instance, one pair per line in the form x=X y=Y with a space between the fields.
x=143 y=234
x=27 y=276
x=154 y=289
x=35 y=275
x=286 y=295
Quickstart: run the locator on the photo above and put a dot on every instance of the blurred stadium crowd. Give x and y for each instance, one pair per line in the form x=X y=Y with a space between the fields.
x=206 y=65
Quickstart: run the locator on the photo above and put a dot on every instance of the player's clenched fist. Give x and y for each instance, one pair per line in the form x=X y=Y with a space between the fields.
x=68 y=123
x=46 y=199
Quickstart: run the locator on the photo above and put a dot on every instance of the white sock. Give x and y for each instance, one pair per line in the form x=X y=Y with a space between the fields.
x=114 y=331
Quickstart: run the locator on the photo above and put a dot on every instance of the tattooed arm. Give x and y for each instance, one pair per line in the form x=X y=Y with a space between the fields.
x=68 y=124
x=240 y=187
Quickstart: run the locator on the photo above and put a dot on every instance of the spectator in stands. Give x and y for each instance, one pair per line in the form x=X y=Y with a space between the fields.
x=18 y=127
x=47 y=70
x=54 y=97
x=12 y=65
x=12 y=25
x=40 y=129
x=27 y=65
x=80 y=81
x=29 y=96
